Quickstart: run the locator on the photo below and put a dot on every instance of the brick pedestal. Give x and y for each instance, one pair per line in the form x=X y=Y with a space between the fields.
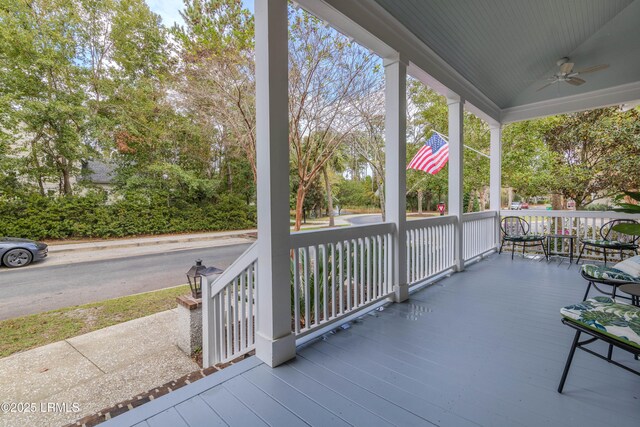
x=189 y=328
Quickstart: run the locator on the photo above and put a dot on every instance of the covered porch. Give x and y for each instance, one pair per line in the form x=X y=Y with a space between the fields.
x=482 y=347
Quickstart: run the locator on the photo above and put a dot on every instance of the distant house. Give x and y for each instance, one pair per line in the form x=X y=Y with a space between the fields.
x=97 y=172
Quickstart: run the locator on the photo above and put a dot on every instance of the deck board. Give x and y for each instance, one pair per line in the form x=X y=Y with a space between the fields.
x=482 y=347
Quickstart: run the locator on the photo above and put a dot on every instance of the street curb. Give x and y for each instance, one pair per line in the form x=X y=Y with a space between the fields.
x=249 y=234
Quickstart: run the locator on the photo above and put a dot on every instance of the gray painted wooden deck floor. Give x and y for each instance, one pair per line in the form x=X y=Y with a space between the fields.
x=483 y=347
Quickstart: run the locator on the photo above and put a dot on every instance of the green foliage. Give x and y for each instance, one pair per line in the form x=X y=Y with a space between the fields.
x=597 y=207
x=355 y=193
x=632 y=208
x=92 y=215
x=526 y=159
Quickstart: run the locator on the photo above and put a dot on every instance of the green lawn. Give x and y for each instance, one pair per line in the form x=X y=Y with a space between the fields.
x=24 y=333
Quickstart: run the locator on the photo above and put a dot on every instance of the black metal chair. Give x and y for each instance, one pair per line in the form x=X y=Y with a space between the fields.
x=611 y=240
x=608 y=276
x=516 y=230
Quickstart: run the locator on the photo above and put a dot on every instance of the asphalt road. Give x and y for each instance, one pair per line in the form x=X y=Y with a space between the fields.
x=365 y=219
x=27 y=291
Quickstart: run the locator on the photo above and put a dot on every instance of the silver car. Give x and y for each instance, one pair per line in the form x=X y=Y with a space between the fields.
x=16 y=252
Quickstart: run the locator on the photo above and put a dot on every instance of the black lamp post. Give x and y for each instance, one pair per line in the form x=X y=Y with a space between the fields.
x=194 y=275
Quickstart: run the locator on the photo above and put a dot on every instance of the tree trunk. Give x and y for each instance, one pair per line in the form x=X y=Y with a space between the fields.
x=419 y=202
x=510 y=195
x=556 y=202
x=66 y=182
x=327 y=184
x=36 y=164
x=299 y=206
x=483 y=198
x=382 y=197
x=472 y=197
x=428 y=199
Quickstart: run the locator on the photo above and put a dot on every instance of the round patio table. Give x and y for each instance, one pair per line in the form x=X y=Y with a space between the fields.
x=634 y=291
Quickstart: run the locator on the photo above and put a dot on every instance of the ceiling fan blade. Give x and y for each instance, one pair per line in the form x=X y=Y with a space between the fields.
x=592 y=69
x=575 y=81
x=566 y=67
x=548 y=84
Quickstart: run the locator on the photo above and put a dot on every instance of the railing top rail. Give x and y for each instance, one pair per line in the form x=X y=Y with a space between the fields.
x=472 y=216
x=231 y=272
x=430 y=222
x=303 y=239
x=570 y=214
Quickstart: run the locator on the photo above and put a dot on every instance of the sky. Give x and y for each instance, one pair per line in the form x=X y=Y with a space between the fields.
x=168 y=10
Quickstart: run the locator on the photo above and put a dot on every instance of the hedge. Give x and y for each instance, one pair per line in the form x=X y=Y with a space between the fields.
x=91 y=215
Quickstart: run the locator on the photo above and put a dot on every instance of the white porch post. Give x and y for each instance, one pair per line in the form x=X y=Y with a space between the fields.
x=395 y=73
x=495 y=178
x=456 y=156
x=275 y=342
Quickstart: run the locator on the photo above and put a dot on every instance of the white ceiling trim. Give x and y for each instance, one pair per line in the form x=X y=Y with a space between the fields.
x=585 y=101
x=372 y=26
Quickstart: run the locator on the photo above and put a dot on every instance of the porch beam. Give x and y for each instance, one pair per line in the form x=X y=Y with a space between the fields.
x=395 y=72
x=456 y=158
x=275 y=343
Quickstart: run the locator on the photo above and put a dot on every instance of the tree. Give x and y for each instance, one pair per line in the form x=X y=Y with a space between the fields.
x=596 y=154
x=78 y=74
x=329 y=76
x=216 y=48
x=43 y=87
x=368 y=142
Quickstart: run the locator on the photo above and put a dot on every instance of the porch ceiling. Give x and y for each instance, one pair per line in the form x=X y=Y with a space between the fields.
x=497 y=53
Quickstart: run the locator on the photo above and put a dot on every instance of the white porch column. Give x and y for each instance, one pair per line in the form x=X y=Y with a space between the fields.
x=456 y=156
x=495 y=178
x=395 y=73
x=275 y=342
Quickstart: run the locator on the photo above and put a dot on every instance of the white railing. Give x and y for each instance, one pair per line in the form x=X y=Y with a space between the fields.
x=480 y=232
x=229 y=304
x=583 y=224
x=335 y=272
x=430 y=247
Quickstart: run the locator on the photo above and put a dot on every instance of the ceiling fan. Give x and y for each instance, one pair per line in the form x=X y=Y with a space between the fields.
x=567 y=74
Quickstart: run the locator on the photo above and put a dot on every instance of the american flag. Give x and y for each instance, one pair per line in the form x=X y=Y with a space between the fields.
x=432 y=156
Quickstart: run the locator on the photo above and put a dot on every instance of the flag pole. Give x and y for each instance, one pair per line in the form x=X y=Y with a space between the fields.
x=466 y=146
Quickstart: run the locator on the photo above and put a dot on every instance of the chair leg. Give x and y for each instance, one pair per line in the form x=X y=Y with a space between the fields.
x=580 y=256
x=605 y=256
x=513 y=249
x=546 y=254
x=587 y=293
x=501 y=245
x=569 y=360
x=524 y=246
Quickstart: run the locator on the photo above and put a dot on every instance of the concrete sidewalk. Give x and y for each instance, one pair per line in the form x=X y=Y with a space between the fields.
x=78 y=252
x=148 y=241
x=107 y=252
x=94 y=371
